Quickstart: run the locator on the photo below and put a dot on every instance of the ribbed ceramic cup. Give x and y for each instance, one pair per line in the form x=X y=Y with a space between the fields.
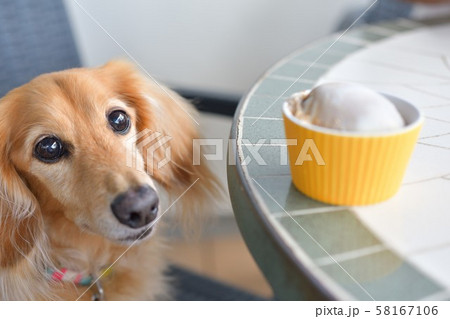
x=351 y=168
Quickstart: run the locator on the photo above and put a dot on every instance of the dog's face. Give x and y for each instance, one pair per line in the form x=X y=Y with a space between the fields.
x=71 y=142
x=68 y=145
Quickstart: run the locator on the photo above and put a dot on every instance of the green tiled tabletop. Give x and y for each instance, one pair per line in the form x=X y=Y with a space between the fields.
x=311 y=250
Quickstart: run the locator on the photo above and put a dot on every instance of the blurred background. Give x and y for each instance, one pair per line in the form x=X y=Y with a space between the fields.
x=218 y=48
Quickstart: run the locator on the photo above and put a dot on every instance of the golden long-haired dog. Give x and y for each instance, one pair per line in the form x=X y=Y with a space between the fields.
x=78 y=187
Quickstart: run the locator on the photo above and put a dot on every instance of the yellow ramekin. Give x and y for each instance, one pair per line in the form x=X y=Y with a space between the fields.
x=351 y=168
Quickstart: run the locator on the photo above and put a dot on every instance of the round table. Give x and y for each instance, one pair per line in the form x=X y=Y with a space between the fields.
x=395 y=250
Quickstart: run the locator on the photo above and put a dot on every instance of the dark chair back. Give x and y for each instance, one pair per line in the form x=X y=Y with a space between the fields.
x=382 y=10
x=35 y=38
x=388 y=10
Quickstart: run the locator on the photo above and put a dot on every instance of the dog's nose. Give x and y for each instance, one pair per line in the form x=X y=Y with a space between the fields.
x=136 y=207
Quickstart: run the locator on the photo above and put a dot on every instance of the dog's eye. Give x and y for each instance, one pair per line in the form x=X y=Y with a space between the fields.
x=119 y=121
x=49 y=150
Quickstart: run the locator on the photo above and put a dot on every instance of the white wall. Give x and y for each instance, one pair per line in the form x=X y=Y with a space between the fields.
x=219 y=46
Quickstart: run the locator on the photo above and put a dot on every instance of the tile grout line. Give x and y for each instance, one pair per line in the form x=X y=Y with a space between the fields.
x=320 y=66
x=410 y=24
x=310 y=211
x=436 y=119
x=432 y=145
x=353 y=254
x=289 y=79
x=423 y=180
x=435 y=106
x=259 y=95
x=434 y=136
x=425 y=250
x=263 y=118
x=382 y=30
x=414 y=87
x=414 y=50
x=353 y=40
x=335 y=53
x=370 y=82
x=400 y=68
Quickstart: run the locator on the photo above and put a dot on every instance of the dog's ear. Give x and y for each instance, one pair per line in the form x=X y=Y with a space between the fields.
x=21 y=226
x=167 y=128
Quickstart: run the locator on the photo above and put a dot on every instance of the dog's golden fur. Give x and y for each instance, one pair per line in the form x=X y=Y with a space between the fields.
x=58 y=215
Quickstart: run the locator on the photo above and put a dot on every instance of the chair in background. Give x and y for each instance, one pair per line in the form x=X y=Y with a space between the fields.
x=35 y=38
x=409 y=9
x=381 y=11
x=388 y=10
